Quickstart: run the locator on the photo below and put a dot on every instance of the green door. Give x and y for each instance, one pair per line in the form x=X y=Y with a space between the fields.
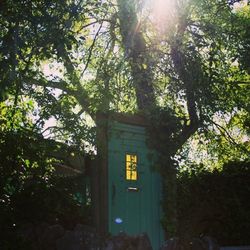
x=134 y=188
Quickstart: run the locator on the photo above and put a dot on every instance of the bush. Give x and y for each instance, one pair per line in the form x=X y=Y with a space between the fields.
x=30 y=193
x=216 y=203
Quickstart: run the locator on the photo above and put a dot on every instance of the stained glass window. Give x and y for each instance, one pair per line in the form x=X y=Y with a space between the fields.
x=131 y=167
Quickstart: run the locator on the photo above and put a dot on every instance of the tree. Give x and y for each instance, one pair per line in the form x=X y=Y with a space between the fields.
x=184 y=68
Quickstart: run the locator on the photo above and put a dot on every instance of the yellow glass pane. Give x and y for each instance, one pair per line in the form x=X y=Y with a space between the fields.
x=131 y=175
x=128 y=157
x=131 y=167
x=128 y=166
x=134 y=176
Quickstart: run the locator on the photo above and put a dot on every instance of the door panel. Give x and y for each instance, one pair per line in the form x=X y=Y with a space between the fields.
x=134 y=205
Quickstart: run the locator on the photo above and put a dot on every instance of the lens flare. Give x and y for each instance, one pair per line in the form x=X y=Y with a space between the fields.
x=163 y=13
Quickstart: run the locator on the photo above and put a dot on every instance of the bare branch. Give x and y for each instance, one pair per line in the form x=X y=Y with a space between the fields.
x=91 y=49
x=95 y=22
x=227 y=135
x=224 y=132
x=49 y=128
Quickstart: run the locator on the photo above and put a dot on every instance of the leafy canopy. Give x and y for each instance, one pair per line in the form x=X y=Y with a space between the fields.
x=183 y=63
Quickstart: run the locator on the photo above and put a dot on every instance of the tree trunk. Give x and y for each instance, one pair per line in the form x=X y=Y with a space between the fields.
x=136 y=52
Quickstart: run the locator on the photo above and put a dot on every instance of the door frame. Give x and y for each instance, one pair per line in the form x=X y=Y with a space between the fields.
x=100 y=192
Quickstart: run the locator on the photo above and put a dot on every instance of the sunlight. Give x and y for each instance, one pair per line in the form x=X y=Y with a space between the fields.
x=240 y=5
x=162 y=7
x=52 y=69
x=163 y=12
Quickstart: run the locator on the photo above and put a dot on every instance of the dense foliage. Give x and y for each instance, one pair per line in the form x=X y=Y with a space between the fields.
x=215 y=203
x=72 y=59
x=29 y=192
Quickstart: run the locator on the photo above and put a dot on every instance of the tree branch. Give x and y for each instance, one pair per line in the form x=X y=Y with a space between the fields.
x=78 y=93
x=226 y=134
x=194 y=122
x=91 y=49
x=62 y=85
x=48 y=128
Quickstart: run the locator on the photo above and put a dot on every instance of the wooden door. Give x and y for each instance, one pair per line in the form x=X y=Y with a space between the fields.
x=134 y=188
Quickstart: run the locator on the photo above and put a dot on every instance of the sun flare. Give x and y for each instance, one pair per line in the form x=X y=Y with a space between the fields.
x=162 y=12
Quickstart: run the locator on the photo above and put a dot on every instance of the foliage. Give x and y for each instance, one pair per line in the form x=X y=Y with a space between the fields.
x=189 y=63
x=244 y=49
x=186 y=68
x=215 y=203
x=29 y=192
x=201 y=51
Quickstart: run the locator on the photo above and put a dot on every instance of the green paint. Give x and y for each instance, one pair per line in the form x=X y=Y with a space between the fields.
x=140 y=209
